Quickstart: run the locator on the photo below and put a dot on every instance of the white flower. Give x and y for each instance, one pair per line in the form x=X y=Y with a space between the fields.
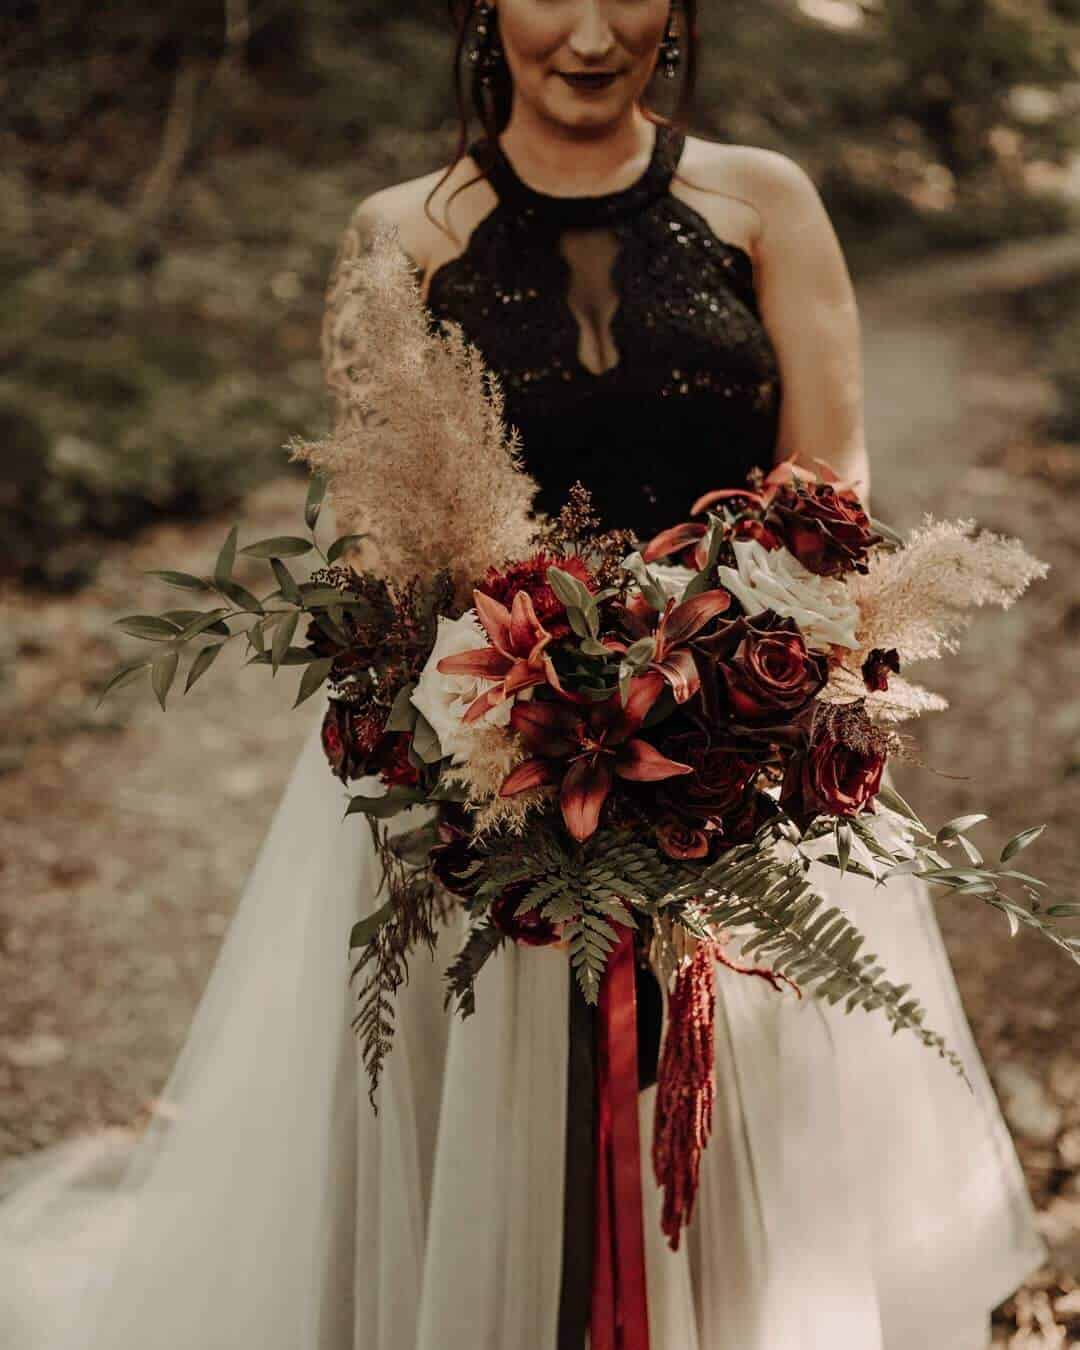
x=443 y=699
x=775 y=579
x=672 y=578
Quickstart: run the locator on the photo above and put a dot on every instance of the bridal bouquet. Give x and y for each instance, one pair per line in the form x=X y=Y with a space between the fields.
x=612 y=740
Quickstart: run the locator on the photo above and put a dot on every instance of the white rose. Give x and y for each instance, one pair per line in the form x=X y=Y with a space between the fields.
x=672 y=578
x=443 y=699
x=775 y=579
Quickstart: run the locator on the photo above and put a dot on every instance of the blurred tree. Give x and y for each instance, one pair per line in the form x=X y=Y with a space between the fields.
x=960 y=61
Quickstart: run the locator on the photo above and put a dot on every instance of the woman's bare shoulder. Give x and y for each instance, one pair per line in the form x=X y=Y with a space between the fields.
x=770 y=181
x=409 y=206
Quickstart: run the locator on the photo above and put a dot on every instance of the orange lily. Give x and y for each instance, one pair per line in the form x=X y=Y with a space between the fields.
x=584 y=750
x=516 y=659
x=672 y=657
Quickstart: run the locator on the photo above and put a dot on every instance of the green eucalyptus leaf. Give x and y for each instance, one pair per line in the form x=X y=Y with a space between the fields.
x=957 y=826
x=890 y=798
x=414 y=846
x=392 y=803
x=283 y=636
x=313 y=678
x=241 y=596
x=204 y=659
x=162 y=673
x=403 y=712
x=591 y=647
x=124 y=674
x=425 y=740
x=1021 y=841
x=1070 y=911
x=149 y=627
x=211 y=620
x=650 y=588
x=342 y=545
x=315 y=596
x=280 y=546
x=226 y=558
x=289 y=589
x=571 y=591
x=295 y=656
x=638 y=655
x=313 y=503
x=184 y=580
x=364 y=930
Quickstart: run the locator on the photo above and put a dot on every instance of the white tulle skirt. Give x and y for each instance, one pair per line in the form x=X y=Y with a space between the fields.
x=854 y=1195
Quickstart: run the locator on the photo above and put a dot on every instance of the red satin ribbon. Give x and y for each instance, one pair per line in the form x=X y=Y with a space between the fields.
x=620 y=1311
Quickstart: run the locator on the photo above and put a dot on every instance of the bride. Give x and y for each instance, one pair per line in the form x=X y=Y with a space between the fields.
x=663 y=312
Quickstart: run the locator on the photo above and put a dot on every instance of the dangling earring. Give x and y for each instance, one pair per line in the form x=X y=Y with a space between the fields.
x=486 y=54
x=670 y=52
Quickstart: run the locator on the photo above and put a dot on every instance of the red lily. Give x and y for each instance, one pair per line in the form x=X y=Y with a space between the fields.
x=687 y=541
x=516 y=658
x=599 y=744
x=672 y=657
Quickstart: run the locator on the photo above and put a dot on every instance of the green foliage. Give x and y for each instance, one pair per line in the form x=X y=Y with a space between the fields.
x=482 y=942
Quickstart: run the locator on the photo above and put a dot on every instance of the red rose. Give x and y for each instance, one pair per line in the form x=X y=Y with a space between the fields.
x=680 y=840
x=876 y=668
x=832 y=778
x=530 y=928
x=349 y=737
x=771 y=676
x=391 y=760
x=826 y=529
x=719 y=781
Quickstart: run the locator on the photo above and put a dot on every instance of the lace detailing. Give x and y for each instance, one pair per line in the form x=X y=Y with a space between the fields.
x=626 y=336
x=587 y=210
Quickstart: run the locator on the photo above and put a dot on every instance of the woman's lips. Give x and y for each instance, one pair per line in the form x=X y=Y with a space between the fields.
x=589 y=82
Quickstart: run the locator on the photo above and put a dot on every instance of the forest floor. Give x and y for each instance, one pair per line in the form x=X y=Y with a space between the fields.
x=126 y=834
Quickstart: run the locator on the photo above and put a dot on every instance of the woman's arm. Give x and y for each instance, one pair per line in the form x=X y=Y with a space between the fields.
x=807 y=303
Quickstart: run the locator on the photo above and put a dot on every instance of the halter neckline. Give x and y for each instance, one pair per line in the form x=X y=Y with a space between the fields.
x=585 y=209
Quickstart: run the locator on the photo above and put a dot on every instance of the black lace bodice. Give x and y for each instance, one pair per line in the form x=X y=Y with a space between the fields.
x=626 y=336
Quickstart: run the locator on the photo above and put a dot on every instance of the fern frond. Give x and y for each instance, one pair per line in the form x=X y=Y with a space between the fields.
x=483 y=940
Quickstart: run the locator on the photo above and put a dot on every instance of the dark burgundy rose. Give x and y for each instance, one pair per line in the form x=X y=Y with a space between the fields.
x=391 y=760
x=349 y=737
x=678 y=839
x=876 y=668
x=740 y=825
x=826 y=529
x=771 y=676
x=831 y=778
x=530 y=928
x=453 y=856
x=718 y=784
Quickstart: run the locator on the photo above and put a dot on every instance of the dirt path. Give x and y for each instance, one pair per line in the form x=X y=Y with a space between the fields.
x=126 y=834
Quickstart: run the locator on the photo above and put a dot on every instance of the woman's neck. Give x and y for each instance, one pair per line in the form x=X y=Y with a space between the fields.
x=554 y=157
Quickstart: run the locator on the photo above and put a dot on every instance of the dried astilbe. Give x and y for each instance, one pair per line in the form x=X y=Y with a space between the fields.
x=902 y=700
x=492 y=754
x=918 y=598
x=419 y=457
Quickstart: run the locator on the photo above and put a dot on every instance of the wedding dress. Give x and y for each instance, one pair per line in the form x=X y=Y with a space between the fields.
x=855 y=1195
